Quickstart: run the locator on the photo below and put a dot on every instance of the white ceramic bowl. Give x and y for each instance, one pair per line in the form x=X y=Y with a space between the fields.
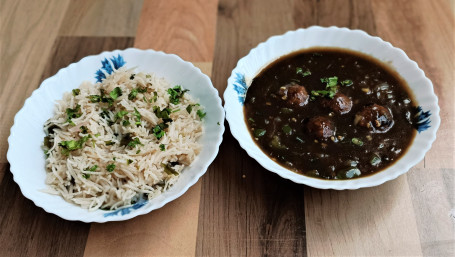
x=265 y=53
x=26 y=156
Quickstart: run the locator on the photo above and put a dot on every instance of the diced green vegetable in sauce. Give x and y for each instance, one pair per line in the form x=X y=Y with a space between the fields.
x=276 y=143
x=259 y=132
x=287 y=129
x=348 y=173
x=357 y=141
x=375 y=160
x=299 y=139
x=251 y=120
x=346 y=82
x=286 y=110
x=300 y=71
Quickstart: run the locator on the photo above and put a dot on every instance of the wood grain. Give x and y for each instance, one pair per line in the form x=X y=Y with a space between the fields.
x=432 y=187
x=67 y=50
x=260 y=214
x=102 y=18
x=27 y=230
x=185 y=28
x=27 y=31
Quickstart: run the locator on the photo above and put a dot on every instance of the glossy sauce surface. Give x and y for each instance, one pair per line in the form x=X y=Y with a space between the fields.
x=330 y=113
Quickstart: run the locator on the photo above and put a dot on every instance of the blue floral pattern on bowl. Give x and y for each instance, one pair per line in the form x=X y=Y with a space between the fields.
x=240 y=87
x=422 y=119
x=127 y=210
x=109 y=66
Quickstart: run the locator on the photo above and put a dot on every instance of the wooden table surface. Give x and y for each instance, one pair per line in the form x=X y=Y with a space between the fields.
x=237 y=208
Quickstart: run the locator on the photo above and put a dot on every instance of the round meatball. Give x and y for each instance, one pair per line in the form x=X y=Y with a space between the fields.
x=340 y=103
x=321 y=127
x=294 y=94
x=377 y=118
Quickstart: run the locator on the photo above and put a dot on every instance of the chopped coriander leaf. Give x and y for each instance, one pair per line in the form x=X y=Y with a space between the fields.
x=97 y=134
x=109 y=142
x=133 y=143
x=158 y=130
x=73 y=113
x=72 y=145
x=331 y=88
x=115 y=93
x=106 y=99
x=163 y=114
x=346 y=82
x=259 y=132
x=148 y=76
x=129 y=161
x=300 y=71
x=251 y=120
x=84 y=129
x=141 y=89
x=138 y=151
x=132 y=95
x=145 y=99
x=357 y=141
x=162 y=147
x=287 y=129
x=155 y=97
x=169 y=170
x=76 y=91
x=120 y=114
x=93 y=168
x=46 y=152
x=86 y=176
x=138 y=116
x=201 y=114
x=94 y=98
x=175 y=94
x=176 y=110
x=132 y=76
x=110 y=167
x=126 y=123
x=47 y=142
x=189 y=108
x=218 y=123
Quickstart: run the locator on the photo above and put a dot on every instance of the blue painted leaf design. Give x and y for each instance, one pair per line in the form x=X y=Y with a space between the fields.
x=127 y=210
x=240 y=87
x=422 y=119
x=107 y=68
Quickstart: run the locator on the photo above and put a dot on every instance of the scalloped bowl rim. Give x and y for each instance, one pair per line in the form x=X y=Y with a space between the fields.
x=150 y=206
x=256 y=153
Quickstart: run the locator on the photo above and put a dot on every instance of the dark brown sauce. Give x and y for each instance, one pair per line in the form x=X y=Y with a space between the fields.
x=365 y=129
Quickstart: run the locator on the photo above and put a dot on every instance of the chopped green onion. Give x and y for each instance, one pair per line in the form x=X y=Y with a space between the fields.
x=110 y=167
x=259 y=132
x=346 y=82
x=357 y=141
x=287 y=130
